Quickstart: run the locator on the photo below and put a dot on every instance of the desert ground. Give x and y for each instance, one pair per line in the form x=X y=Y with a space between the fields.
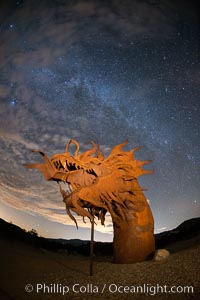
x=47 y=275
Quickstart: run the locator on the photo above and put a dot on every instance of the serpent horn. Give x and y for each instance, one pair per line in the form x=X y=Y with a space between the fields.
x=88 y=153
x=76 y=144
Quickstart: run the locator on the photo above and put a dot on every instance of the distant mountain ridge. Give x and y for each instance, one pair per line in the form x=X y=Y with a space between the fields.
x=187 y=230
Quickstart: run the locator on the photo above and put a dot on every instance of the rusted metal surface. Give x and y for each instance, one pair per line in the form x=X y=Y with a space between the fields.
x=106 y=185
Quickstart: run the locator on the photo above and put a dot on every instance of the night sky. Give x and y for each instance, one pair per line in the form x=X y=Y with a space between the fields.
x=102 y=71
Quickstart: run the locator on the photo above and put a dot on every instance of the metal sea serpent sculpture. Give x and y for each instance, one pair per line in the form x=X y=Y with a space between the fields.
x=95 y=184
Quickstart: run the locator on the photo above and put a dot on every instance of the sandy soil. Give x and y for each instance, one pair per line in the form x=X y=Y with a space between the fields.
x=22 y=265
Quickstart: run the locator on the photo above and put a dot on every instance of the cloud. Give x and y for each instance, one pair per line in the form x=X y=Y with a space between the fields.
x=51 y=31
x=41 y=58
x=161 y=229
x=26 y=190
x=37 y=202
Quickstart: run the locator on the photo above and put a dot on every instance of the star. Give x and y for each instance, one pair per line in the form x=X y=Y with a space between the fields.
x=13 y=102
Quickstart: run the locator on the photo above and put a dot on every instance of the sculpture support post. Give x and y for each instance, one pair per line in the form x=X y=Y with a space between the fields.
x=92 y=244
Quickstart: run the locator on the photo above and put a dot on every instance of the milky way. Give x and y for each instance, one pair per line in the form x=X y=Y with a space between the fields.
x=102 y=71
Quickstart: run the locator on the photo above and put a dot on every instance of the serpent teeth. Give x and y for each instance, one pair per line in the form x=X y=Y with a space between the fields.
x=67 y=188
